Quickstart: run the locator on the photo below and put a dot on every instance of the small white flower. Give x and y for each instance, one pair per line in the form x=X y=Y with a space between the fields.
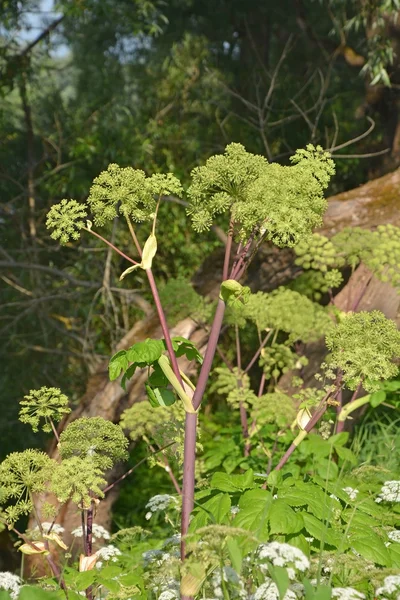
x=55 y=529
x=283 y=555
x=174 y=540
x=269 y=591
x=168 y=595
x=148 y=516
x=394 y=535
x=109 y=552
x=100 y=532
x=333 y=497
x=11 y=583
x=160 y=502
x=390 y=492
x=391 y=585
x=347 y=593
x=352 y=493
x=235 y=510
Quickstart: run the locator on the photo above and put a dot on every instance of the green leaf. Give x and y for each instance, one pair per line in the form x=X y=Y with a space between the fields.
x=119 y=362
x=346 y=454
x=160 y=396
x=376 y=398
x=283 y=519
x=235 y=554
x=394 y=551
x=323 y=592
x=320 y=530
x=372 y=548
x=214 y=510
x=182 y=346
x=280 y=577
x=145 y=353
x=84 y=580
x=4 y=595
x=30 y=592
x=253 y=515
x=127 y=375
x=339 y=439
x=158 y=378
x=233 y=483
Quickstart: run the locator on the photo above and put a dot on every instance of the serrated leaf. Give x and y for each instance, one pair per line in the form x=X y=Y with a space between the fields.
x=214 y=511
x=320 y=530
x=253 y=515
x=346 y=454
x=127 y=375
x=283 y=519
x=158 y=378
x=372 y=548
x=233 y=483
x=145 y=353
x=184 y=347
x=119 y=362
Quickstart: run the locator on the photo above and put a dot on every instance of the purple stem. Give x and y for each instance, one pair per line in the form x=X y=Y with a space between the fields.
x=227 y=252
x=111 y=245
x=257 y=354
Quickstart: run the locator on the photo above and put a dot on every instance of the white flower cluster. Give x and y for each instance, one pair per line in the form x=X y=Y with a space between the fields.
x=394 y=535
x=98 y=531
x=391 y=585
x=173 y=540
x=236 y=585
x=55 y=529
x=347 y=593
x=283 y=555
x=352 y=493
x=11 y=583
x=269 y=591
x=390 y=492
x=235 y=510
x=169 y=590
x=159 y=502
x=109 y=552
x=158 y=557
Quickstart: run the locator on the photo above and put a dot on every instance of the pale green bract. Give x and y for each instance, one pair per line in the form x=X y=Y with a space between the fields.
x=363 y=345
x=94 y=437
x=128 y=191
x=282 y=203
x=66 y=219
x=45 y=403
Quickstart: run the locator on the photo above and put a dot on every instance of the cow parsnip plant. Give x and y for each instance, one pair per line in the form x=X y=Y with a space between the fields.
x=257 y=527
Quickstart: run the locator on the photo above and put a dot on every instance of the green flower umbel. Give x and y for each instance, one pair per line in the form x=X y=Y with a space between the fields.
x=364 y=346
x=66 y=219
x=49 y=404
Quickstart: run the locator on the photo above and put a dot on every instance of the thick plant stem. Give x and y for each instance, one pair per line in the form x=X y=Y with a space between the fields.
x=346 y=410
x=191 y=425
x=227 y=252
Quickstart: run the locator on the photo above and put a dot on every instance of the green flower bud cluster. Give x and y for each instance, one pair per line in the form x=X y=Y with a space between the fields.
x=288 y=202
x=311 y=284
x=221 y=183
x=317 y=252
x=180 y=301
x=78 y=479
x=235 y=385
x=23 y=474
x=46 y=403
x=333 y=279
x=283 y=203
x=288 y=311
x=276 y=408
x=383 y=258
x=351 y=243
x=129 y=192
x=364 y=345
x=309 y=397
x=95 y=438
x=66 y=219
x=278 y=359
x=164 y=425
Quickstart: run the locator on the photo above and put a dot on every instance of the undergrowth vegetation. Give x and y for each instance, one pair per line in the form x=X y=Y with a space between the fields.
x=280 y=488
